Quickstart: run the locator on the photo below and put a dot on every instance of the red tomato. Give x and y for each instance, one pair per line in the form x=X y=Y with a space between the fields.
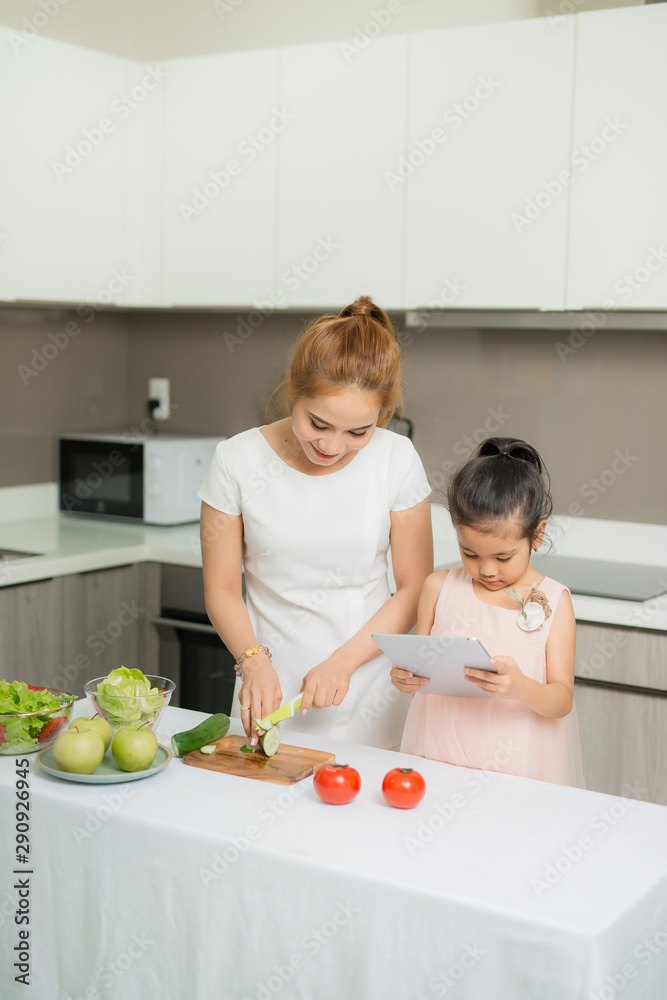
x=337 y=783
x=403 y=788
x=52 y=728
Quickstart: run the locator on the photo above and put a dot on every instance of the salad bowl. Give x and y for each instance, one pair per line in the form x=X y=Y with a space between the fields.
x=129 y=698
x=31 y=717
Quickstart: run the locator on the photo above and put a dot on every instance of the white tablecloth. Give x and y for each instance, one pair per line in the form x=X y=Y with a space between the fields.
x=192 y=885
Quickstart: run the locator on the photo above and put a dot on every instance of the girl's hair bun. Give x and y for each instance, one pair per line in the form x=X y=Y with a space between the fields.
x=505 y=479
x=513 y=448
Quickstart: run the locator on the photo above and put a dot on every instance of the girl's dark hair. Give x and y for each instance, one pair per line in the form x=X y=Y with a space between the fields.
x=504 y=480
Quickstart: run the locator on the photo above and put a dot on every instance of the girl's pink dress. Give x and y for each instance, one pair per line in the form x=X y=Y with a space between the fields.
x=494 y=734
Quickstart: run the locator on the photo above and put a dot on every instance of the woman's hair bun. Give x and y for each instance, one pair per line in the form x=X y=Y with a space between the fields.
x=357 y=348
x=364 y=306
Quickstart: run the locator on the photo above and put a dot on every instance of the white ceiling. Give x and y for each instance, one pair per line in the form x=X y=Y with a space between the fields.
x=163 y=29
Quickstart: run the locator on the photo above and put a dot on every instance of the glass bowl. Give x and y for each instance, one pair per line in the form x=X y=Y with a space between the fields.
x=37 y=729
x=128 y=710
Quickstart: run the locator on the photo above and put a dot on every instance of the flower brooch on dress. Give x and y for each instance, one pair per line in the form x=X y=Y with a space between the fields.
x=534 y=608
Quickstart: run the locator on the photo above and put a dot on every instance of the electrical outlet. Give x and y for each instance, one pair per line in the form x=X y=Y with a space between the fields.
x=159 y=388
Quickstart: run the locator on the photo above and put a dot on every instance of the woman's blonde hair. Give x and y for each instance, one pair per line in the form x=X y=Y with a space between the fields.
x=357 y=348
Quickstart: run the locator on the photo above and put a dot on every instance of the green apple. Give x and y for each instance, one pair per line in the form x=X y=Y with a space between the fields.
x=134 y=749
x=78 y=752
x=97 y=724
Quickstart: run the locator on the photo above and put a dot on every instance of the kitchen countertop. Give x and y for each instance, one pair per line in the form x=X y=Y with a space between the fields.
x=67 y=544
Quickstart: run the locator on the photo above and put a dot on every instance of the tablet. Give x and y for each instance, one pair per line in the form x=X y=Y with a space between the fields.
x=440 y=658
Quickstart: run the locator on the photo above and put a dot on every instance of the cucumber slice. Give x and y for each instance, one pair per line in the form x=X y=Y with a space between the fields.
x=211 y=748
x=270 y=741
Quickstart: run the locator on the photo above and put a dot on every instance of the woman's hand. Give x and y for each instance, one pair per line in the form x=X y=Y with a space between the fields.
x=325 y=685
x=507 y=683
x=406 y=682
x=260 y=692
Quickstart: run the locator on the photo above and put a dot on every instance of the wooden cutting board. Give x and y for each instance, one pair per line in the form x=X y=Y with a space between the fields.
x=289 y=765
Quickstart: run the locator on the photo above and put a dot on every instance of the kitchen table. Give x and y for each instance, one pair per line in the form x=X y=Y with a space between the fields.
x=194 y=885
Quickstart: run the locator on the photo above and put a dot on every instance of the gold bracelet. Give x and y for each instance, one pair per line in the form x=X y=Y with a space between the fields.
x=250 y=652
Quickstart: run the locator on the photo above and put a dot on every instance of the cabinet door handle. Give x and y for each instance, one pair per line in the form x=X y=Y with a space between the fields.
x=185 y=625
x=616 y=686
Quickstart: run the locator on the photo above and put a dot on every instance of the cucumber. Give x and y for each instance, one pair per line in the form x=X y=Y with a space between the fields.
x=270 y=741
x=208 y=731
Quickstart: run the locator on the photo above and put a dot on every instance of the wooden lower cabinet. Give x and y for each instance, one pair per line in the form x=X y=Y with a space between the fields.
x=621 y=701
x=623 y=742
x=67 y=630
x=31 y=630
x=105 y=623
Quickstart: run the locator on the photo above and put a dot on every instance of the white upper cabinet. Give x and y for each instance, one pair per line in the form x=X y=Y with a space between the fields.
x=340 y=225
x=463 y=168
x=223 y=123
x=489 y=140
x=142 y=184
x=618 y=230
x=61 y=172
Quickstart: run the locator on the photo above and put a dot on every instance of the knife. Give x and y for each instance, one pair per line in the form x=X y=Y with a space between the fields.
x=285 y=711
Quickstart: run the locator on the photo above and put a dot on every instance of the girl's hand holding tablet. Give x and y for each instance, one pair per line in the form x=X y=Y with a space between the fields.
x=508 y=682
x=407 y=682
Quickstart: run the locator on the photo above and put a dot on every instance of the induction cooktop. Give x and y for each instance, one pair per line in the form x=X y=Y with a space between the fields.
x=597 y=578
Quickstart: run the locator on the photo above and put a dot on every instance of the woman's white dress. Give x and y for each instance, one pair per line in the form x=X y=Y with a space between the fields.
x=315 y=564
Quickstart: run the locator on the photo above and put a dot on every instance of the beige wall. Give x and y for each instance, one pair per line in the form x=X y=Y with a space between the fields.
x=54 y=382
x=165 y=29
x=604 y=399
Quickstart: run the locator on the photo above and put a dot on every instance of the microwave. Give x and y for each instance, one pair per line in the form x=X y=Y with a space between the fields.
x=126 y=476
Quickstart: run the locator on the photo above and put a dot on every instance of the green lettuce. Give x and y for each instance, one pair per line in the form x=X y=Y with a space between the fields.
x=22 y=730
x=16 y=699
x=127 y=699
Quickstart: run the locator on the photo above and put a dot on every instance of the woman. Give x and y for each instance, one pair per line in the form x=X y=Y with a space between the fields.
x=307 y=506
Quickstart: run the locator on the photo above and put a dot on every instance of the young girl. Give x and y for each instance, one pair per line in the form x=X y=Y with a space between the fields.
x=499 y=503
